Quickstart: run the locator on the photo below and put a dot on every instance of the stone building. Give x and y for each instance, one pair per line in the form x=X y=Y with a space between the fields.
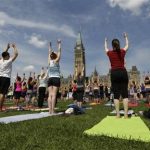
x=66 y=83
x=94 y=77
x=134 y=75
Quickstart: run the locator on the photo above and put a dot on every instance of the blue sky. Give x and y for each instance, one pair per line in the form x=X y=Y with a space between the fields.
x=31 y=24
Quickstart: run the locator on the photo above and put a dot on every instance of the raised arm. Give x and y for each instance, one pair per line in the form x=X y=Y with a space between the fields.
x=34 y=75
x=49 y=51
x=42 y=71
x=23 y=78
x=15 y=52
x=8 y=46
x=59 y=50
x=126 y=42
x=106 y=45
x=30 y=74
x=46 y=73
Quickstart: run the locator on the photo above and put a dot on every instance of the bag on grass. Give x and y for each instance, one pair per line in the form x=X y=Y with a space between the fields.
x=69 y=111
x=77 y=110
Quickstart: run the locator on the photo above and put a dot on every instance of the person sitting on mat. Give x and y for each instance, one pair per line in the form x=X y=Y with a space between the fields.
x=119 y=76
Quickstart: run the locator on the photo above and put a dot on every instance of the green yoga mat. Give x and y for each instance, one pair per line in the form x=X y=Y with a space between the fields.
x=133 y=128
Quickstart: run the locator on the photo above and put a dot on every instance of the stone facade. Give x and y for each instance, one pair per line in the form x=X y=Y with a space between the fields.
x=133 y=74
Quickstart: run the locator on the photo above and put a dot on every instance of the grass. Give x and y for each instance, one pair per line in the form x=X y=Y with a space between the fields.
x=64 y=132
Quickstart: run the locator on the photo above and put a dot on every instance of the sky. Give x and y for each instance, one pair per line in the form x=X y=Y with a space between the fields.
x=32 y=24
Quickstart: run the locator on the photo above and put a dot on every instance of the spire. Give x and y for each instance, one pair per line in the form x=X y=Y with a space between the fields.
x=95 y=72
x=134 y=68
x=79 y=39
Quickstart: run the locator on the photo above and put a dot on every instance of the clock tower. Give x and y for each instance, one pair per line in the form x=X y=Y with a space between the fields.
x=79 y=57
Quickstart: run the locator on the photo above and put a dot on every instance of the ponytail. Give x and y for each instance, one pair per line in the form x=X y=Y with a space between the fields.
x=116 y=46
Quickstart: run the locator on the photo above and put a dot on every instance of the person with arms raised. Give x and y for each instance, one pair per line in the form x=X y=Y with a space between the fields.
x=53 y=75
x=5 y=71
x=119 y=76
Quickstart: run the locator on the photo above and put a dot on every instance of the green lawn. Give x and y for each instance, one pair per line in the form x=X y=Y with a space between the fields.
x=63 y=132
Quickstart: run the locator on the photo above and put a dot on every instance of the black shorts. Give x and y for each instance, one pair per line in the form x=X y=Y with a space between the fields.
x=17 y=94
x=119 y=83
x=23 y=94
x=80 y=93
x=54 y=81
x=96 y=93
x=74 y=95
x=101 y=95
x=4 y=85
x=34 y=93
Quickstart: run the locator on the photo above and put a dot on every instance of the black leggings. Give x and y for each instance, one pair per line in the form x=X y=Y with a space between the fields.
x=79 y=94
x=119 y=83
x=41 y=96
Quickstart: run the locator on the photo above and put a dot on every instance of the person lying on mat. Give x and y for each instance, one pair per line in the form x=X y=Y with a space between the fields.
x=119 y=76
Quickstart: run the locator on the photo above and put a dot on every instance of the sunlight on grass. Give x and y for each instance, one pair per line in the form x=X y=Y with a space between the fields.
x=63 y=132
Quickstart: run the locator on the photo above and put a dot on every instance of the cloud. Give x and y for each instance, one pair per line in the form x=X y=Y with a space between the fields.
x=29 y=56
x=64 y=29
x=141 y=58
x=6 y=32
x=135 y=6
x=36 y=41
x=83 y=18
x=2 y=22
x=29 y=60
x=29 y=68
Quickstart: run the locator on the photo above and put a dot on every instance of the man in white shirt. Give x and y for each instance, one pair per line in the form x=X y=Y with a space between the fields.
x=5 y=72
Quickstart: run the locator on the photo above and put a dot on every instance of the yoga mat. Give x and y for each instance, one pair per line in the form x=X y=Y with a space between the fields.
x=12 y=107
x=18 y=118
x=109 y=104
x=133 y=104
x=147 y=105
x=41 y=109
x=122 y=112
x=93 y=104
x=133 y=128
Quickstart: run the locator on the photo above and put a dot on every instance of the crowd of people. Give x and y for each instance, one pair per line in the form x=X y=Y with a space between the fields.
x=46 y=85
x=34 y=89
